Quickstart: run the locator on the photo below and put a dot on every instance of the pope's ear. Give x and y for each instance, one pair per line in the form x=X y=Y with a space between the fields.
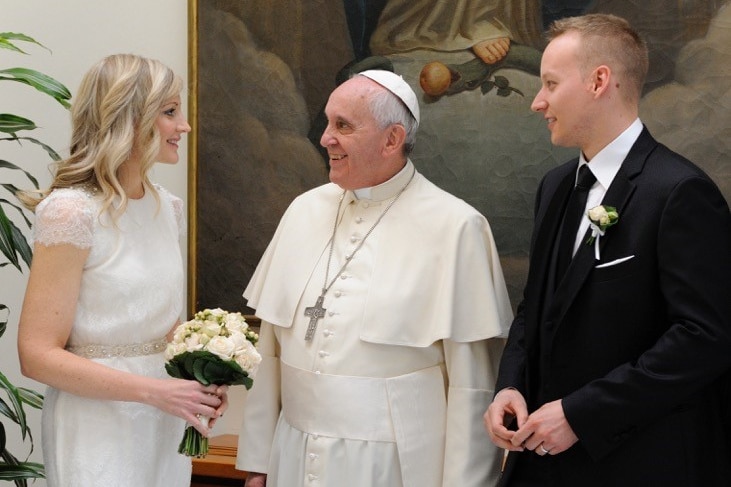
x=395 y=138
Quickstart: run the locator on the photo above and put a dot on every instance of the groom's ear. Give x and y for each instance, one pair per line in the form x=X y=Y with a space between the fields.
x=600 y=79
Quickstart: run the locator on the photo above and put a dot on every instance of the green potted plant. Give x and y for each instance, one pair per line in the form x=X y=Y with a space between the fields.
x=15 y=249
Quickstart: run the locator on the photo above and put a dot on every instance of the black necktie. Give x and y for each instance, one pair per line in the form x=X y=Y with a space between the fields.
x=572 y=218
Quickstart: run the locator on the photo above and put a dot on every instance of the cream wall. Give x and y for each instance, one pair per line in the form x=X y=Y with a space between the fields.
x=78 y=32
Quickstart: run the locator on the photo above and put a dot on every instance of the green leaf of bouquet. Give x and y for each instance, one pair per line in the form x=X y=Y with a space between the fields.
x=198 y=371
x=178 y=367
x=219 y=373
x=173 y=369
x=188 y=360
x=236 y=375
x=207 y=368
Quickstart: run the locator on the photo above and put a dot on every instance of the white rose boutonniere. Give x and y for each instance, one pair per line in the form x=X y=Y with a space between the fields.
x=600 y=217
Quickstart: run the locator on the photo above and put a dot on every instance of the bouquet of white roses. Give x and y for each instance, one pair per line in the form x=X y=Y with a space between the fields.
x=215 y=347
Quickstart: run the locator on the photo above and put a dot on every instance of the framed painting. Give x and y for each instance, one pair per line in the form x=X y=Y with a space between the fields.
x=261 y=72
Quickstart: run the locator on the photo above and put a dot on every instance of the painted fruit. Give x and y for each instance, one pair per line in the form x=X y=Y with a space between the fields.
x=435 y=78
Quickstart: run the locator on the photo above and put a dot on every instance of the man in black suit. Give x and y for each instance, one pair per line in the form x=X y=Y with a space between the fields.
x=613 y=370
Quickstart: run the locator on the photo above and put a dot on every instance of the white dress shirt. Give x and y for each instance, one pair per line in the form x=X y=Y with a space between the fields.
x=605 y=166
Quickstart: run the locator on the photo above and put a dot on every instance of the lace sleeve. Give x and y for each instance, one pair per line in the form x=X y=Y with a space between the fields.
x=178 y=209
x=66 y=216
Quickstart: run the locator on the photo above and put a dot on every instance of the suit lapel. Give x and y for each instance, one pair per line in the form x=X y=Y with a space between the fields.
x=543 y=250
x=550 y=224
x=618 y=195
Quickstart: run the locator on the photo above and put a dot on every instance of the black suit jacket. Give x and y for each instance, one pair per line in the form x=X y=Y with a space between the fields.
x=635 y=350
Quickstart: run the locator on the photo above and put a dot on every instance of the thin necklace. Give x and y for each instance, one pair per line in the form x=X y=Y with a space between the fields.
x=316 y=312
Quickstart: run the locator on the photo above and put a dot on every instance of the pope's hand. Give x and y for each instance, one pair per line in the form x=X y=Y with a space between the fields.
x=254 y=479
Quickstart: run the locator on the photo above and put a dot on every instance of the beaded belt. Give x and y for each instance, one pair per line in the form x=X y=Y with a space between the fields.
x=109 y=351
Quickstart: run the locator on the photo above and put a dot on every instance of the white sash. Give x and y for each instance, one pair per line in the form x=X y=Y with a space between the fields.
x=409 y=410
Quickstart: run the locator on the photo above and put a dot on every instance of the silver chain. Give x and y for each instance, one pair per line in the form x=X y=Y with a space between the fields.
x=325 y=286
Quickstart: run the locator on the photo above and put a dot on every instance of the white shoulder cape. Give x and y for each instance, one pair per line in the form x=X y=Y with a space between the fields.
x=439 y=278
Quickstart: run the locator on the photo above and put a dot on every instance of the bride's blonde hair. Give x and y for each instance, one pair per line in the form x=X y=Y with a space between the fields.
x=114 y=113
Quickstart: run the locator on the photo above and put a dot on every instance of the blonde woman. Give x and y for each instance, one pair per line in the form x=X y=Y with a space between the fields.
x=106 y=288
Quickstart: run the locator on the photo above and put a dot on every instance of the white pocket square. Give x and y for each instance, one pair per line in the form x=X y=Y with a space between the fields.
x=615 y=262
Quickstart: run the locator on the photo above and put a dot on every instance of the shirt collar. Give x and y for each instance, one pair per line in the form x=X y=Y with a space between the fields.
x=607 y=162
x=388 y=189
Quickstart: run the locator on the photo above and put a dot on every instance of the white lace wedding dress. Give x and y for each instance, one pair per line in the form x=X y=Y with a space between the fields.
x=131 y=295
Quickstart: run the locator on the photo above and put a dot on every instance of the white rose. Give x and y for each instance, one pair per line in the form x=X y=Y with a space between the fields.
x=248 y=359
x=222 y=347
x=173 y=349
x=210 y=328
x=239 y=340
x=169 y=352
x=599 y=214
x=217 y=312
x=193 y=342
x=234 y=321
x=181 y=331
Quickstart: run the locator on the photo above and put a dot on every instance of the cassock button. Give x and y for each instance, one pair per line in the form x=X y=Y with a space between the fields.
x=313 y=456
x=354 y=239
x=312 y=476
x=323 y=353
x=359 y=220
x=337 y=294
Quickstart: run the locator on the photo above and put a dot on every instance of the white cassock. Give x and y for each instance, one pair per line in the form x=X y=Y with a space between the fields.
x=391 y=389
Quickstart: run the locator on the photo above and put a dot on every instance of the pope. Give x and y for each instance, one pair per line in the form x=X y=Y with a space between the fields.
x=384 y=311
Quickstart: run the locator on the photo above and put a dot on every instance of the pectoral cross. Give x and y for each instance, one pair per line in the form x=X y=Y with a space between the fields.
x=315 y=313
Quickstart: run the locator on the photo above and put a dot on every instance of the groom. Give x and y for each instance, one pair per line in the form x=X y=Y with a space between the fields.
x=612 y=370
